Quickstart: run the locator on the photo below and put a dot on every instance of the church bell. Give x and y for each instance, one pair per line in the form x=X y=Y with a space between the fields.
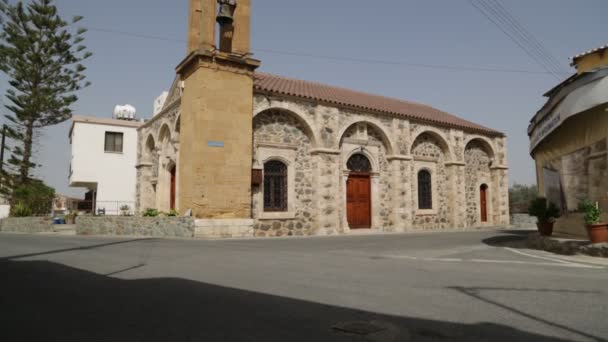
x=225 y=15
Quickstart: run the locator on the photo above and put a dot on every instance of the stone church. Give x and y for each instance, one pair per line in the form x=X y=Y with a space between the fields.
x=254 y=154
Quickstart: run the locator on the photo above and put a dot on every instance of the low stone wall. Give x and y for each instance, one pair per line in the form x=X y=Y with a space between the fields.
x=135 y=226
x=27 y=224
x=523 y=221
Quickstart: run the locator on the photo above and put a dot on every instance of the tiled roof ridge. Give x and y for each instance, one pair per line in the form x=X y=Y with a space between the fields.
x=418 y=111
x=588 y=52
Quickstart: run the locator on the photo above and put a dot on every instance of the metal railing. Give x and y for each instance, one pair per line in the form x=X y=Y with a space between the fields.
x=125 y=208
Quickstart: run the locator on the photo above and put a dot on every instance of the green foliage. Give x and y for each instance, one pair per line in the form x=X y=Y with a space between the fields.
x=36 y=196
x=173 y=213
x=151 y=212
x=21 y=210
x=71 y=217
x=41 y=55
x=592 y=212
x=543 y=211
x=520 y=197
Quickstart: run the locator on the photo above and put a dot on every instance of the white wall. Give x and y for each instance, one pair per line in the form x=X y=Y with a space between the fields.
x=114 y=173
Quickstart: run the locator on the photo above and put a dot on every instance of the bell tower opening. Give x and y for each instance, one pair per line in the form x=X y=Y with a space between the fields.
x=225 y=21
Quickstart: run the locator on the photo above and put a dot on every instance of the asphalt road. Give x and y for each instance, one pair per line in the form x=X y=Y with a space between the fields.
x=410 y=287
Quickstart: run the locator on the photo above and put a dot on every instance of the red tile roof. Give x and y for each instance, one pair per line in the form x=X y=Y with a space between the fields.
x=353 y=99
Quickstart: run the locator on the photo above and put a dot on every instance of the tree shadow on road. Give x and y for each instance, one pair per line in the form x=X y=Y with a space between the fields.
x=45 y=301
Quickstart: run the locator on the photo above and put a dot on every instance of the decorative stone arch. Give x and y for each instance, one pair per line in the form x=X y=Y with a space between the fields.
x=485 y=142
x=439 y=137
x=276 y=158
x=306 y=124
x=376 y=125
x=177 y=125
x=164 y=134
x=365 y=152
x=149 y=148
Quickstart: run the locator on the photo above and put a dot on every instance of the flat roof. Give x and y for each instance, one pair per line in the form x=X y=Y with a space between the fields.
x=103 y=121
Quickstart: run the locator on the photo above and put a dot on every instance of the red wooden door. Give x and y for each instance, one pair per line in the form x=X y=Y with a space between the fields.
x=358 y=201
x=173 y=188
x=484 y=203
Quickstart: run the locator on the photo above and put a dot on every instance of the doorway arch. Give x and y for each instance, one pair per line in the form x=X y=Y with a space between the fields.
x=358 y=192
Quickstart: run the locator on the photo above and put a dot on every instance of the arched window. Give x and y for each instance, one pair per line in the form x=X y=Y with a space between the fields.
x=359 y=163
x=425 y=190
x=275 y=186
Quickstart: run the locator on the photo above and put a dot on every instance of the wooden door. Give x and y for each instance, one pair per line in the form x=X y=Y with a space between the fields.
x=358 y=201
x=173 y=188
x=484 y=203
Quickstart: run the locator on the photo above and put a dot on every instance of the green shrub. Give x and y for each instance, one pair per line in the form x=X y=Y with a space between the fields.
x=544 y=212
x=21 y=210
x=592 y=212
x=36 y=196
x=520 y=197
x=173 y=213
x=151 y=212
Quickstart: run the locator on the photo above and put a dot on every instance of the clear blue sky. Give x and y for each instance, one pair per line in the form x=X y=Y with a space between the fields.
x=133 y=70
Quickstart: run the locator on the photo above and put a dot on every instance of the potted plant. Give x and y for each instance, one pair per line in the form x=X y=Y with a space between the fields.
x=71 y=218
x=546 y=213
x=125 y=210
x=596 y=230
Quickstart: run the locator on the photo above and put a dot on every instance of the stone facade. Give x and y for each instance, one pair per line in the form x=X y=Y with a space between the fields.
x=315 y=142
x=158 y=146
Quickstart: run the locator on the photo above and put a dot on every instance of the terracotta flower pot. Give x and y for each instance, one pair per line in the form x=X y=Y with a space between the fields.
x=598 y=233
x=545 y=228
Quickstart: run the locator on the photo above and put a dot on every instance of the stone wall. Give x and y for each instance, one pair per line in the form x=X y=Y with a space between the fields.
x=27 y=224
x=276 y=131
x=427 y=151
x=477 y=172
x=182 y=227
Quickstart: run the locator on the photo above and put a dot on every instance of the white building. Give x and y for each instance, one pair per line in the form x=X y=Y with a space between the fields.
x=104 y=155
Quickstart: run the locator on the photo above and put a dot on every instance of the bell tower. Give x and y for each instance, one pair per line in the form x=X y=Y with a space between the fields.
x=215 y=157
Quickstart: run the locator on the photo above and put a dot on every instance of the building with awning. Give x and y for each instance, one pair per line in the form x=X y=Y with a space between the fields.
x=568 y=136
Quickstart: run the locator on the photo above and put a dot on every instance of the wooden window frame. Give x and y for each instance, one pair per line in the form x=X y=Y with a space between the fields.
x=114 y=147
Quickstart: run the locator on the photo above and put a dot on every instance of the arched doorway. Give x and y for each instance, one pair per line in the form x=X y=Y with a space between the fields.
x=172 y=191
x=358 y=193
x=483 y=202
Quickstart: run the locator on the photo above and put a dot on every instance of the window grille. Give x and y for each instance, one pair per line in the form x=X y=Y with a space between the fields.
x=359 y=163
x=275 y=186
x=425 y=190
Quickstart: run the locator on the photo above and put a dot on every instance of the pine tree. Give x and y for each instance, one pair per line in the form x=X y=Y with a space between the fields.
x=41 y=55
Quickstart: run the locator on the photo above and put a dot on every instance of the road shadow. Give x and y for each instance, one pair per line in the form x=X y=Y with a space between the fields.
x=509 y=238
x=478 y=293
x=45 y=301
x=79 y=248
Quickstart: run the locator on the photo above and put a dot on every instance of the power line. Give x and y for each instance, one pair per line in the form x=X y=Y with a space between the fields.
x=497 y=20
x=526 y=32
x=527 y=37
x=338 y=58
